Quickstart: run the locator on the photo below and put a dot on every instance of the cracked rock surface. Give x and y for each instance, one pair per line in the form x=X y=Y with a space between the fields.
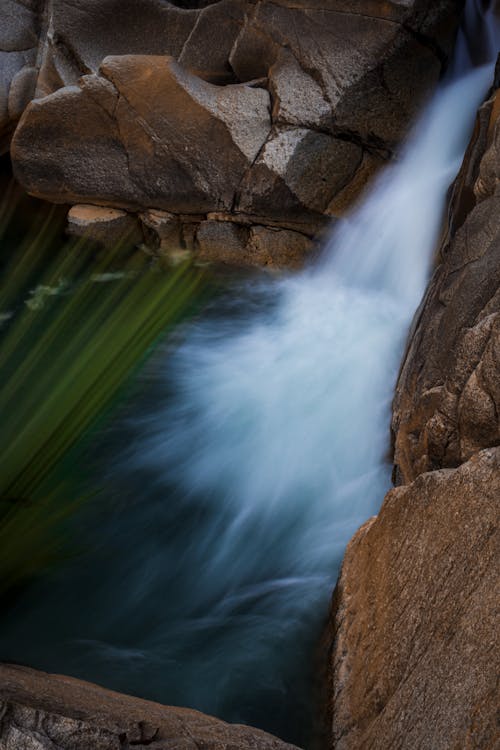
x=272 y=112
x=447 y=402
x=412 y=646
x=412 y=641
x=39 y=711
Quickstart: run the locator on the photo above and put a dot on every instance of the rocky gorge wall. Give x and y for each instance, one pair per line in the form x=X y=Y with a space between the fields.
x=233 y=129
x=412 y=643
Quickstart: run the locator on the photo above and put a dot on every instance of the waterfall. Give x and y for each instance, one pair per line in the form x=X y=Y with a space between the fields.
x=261 y=448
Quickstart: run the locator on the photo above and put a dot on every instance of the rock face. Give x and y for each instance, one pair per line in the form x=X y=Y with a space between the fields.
x=414 y=657
x=19 y=34
x=41 y=712
x=412 y=643
x=447 y=401
x=198 y=108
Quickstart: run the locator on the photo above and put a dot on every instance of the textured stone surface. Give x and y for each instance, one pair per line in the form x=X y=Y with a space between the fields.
x=46 y=712
x=310 y=99
x=244 y=245
x=106 y=226
x=413 y=645
x=143 y=133
x=447 y=402
x=19 y=30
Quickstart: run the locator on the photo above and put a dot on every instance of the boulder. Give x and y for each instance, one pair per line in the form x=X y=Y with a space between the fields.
x=412 y=643
x=106 y=226
x=297 y=174
x=372 y=61
x=51 y=712
x=81 y=33
x=196 y=107
x=243 y=245
x=18 y=55
x=447 y=401
x=143 y=133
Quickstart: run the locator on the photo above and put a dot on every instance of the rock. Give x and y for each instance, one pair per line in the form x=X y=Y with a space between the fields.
x=298 y=99
x=125 y=93
x=243 y=245
x=373 y=61
x=162 y=230
x=106 y=226
x=222 y=241
x=18 y=55
x=82 y=33
x=207 y=50
x=143 y=133
x=447 y=401
x=41 y=712
x=413 y=647
x=279 y=248
x=298 y=174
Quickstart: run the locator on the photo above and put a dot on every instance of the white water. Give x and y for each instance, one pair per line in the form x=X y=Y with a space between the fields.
x=269 y=454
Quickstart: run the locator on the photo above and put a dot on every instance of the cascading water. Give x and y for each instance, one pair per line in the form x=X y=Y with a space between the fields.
x=259 y=450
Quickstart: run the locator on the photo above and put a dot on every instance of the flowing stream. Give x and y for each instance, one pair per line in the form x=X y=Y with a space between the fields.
x=252 y=451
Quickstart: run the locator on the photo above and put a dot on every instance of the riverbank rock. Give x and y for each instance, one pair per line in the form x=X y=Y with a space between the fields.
x=447 y=401
x=413 y=649
x=412 y=643
x=41 y=711
x=106 y=226
x=19 y=37
x=207 y=107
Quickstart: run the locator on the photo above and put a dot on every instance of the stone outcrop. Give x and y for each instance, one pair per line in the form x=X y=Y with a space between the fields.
x=447 y=402
x=105 y=226
x=413 y=641
x=50 y=712
x=19 y=35
x=276 y=113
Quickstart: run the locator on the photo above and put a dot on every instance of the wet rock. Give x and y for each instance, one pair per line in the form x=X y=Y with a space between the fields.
x=43 y=712
x=106 y=226
x=143 y=133
x=447 y=402
x=413 y=648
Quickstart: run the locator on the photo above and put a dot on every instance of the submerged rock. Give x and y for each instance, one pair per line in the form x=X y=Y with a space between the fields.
x=199 y=107
x=43 y=711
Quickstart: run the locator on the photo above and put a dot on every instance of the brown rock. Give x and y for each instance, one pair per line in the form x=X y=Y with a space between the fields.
x=447 y=401
x=413 y=646
x=82 y=33
x=279 y=248
x=50 y=712
x=18 y=53
x=298 y=173
x=106 y=226
x=144 y=133
x=117 y=122
x=162 y=230
x=243 y=245
x=372 y=60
